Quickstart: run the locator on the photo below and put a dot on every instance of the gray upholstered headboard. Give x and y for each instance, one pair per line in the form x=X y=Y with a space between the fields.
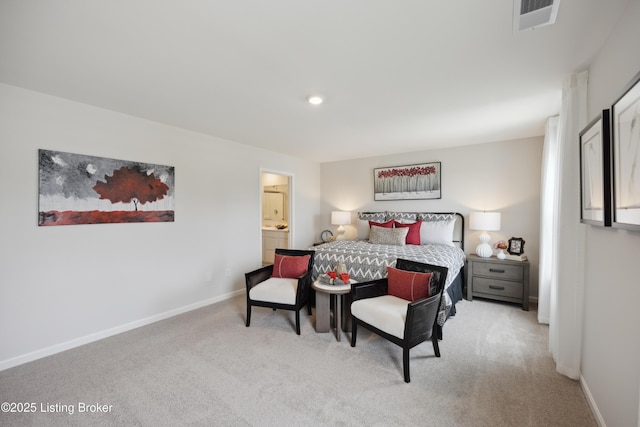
x=458 y=230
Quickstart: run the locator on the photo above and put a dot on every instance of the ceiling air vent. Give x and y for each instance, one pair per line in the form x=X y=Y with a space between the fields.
x=531 y=14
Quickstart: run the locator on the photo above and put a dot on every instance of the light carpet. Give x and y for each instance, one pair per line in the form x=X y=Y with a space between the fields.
x=206 y=368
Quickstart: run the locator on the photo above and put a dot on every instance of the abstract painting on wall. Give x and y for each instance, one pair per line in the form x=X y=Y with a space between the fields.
x=79 y=189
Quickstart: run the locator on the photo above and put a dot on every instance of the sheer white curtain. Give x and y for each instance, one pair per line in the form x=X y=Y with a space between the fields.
x=562 y=236
x=548 y=218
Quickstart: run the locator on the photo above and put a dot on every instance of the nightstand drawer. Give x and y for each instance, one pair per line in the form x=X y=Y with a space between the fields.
x=497 y=287
x=499 y=271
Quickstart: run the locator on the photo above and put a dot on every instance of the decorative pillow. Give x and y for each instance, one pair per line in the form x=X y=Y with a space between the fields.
x=413 y=236
x=387 y=224
x=430 y=216
x=388 y=236
x=372 y=216
x=409 y=285
x=406 y=221
x=363 y=227
x=437 y=232
x=290 y=267
x=404 y=217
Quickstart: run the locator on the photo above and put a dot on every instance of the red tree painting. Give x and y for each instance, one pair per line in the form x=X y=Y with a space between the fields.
x=131 y=185
x=80 y=189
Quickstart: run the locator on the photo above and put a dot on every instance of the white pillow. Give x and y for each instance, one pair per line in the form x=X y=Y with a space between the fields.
x=437 y=232
x=363 y=229
x=404 y=217
x=388 y=236
x=406 y=221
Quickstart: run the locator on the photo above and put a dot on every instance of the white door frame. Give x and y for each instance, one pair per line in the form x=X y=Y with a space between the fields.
x=290 y=199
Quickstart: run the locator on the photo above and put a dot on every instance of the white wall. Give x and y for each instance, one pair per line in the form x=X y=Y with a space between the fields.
x=611 y=337
x=67 y=285
x=501 y=176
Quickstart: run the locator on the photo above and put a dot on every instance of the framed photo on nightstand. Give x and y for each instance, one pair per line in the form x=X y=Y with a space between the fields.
x=516 y=246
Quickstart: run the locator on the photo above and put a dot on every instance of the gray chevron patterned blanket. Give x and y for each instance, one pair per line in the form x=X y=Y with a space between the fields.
x=366 y=261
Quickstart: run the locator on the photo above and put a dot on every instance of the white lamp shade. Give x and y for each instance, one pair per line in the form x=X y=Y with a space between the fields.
x=340 y=218
x=484 y=221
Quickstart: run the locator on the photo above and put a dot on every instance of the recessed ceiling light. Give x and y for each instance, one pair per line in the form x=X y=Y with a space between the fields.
x=315 y=99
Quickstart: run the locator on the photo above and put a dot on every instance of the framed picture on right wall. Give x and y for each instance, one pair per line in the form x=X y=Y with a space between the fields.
x=625 y=117
x=595 y=172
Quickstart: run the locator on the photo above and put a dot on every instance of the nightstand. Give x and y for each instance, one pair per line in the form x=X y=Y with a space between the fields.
x=498 y=279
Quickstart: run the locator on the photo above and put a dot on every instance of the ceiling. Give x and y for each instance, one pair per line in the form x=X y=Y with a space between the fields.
x=397 y=76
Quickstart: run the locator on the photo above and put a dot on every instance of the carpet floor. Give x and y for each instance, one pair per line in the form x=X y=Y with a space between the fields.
x=206 y=368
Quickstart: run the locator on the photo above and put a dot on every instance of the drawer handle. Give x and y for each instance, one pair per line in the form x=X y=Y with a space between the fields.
x=499 y=288
x=495 y=270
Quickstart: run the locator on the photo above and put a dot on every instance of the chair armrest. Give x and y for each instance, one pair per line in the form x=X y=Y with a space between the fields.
x=304 y=287
x=256 y=276
x=421 y=317
x=374 y=288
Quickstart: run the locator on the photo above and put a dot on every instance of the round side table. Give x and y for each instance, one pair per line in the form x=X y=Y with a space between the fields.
x=323 y=305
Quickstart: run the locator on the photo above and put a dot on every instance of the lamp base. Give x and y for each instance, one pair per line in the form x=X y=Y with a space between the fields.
x=484 y=248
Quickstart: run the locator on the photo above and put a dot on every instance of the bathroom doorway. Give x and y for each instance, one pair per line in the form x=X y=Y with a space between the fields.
x=275 y=193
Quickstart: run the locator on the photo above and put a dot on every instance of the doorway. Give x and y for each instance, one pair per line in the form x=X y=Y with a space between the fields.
x=275 y=194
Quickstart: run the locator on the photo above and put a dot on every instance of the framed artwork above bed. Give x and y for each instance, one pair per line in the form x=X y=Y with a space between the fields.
x=411 y=182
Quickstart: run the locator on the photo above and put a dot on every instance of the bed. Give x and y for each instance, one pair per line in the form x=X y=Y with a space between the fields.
x=441 y=242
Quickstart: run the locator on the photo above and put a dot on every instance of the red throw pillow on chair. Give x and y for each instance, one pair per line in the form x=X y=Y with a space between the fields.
x=290 y=267
x=409 y=285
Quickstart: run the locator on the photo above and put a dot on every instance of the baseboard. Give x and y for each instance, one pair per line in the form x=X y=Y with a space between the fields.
x=68 y=345
x=592 y=402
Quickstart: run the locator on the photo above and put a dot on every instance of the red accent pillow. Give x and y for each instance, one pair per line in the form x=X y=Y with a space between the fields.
x=387 y=224
x=413 y=236
x=290 y=267
x=409 y=285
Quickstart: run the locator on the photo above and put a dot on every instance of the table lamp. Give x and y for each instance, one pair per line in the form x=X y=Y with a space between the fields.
x=484 y=221
x=340 y=218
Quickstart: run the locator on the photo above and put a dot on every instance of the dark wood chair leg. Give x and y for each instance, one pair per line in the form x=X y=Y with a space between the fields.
x=298 y=322
x=354 y=331
x=309 y=308
x=436 y=347
x=248 y=314
x=405 y=364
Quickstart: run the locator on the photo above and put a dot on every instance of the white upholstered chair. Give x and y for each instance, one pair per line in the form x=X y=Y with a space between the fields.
x=403 y=321
x=284 y=285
